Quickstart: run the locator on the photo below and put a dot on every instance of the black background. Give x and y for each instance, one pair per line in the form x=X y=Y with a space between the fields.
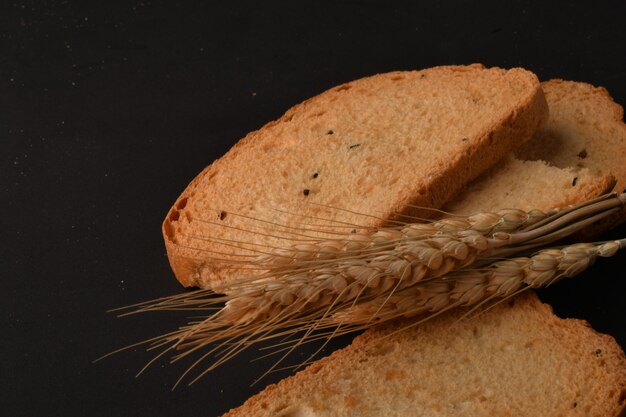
x=108 y=110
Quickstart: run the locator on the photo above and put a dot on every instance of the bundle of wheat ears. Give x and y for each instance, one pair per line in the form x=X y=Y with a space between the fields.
x=321 y=288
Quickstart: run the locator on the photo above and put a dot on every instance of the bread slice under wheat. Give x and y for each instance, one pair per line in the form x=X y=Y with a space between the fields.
x=573 y=157
x=590 y=134
x=588 y=131
x=514 y=360
x=517 y=359
x=377 y=145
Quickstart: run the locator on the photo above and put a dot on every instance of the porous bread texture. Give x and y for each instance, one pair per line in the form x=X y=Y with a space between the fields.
x=578 y=154
x=589 y=133
x=586 y=131
x=378 y=145
x=517 y=359
x=528 y=185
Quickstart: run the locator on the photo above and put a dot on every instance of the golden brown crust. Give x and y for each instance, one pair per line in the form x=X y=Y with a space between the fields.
x=484 y=144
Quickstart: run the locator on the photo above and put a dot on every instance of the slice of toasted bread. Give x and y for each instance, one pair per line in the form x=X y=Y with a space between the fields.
x=578 y=154
x=517 y=359
x=379 y=145
x=588 y=132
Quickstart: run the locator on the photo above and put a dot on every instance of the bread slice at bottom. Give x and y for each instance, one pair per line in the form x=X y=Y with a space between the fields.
x=516 y=359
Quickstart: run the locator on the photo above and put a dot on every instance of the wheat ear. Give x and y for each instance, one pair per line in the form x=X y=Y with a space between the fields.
x=314 y=276
x=466 y=288
x=470 y=288
x=309 y=288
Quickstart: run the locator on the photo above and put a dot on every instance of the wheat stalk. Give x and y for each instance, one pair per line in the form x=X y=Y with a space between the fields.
x=466 y=288
x=381 y=274
x=473 y=288
x=320 y=274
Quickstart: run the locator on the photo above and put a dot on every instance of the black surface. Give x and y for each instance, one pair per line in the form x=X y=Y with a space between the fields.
x=107 y=111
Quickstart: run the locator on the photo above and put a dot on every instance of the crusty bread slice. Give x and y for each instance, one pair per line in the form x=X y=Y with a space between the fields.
x=590 y=134
x=573 y=157
x=587 y=131
x=517 y=359
x=378 y=145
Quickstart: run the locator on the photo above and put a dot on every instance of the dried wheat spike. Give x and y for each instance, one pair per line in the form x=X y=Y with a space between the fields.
x=383 y=274
x=467 y=288
x=373 y=263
